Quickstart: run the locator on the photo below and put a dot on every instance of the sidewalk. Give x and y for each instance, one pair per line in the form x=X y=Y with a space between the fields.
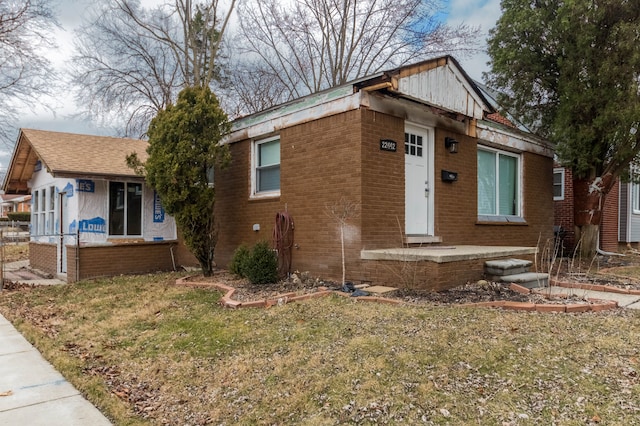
x=33 y=393
x=627 y=301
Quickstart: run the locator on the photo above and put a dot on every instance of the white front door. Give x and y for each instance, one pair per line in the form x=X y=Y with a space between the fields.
x=418 y=150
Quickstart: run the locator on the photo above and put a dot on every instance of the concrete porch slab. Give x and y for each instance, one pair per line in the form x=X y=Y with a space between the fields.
x=379 y=289
x=445 y=254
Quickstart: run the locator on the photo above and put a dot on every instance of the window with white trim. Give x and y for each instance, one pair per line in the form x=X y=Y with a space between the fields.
x=498 y=183
x=635 y=197
x=266 y=167
x=51 y=207
x=35 y=213
x=125 y=209
x=558 y=184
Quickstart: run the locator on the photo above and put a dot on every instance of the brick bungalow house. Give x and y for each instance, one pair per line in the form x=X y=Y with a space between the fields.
x=620 y=227
x=441 y=185
x=13 y=203
x=91 y=215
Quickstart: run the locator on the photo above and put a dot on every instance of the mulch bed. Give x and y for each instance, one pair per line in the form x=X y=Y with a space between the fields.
x=481 y=291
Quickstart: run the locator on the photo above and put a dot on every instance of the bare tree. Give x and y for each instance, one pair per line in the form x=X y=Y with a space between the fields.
x=131 y=62
x=310 y=45
x=25 y=74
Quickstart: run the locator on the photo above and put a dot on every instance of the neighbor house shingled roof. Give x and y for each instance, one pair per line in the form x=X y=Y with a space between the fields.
x=70 y=155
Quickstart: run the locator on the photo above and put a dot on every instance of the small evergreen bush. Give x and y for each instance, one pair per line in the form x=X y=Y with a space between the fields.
x=19 y=216
x=262 y=265
x=238 y=264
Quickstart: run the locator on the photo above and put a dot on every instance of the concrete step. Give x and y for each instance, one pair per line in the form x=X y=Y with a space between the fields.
x=527 y=279
x=507 y=266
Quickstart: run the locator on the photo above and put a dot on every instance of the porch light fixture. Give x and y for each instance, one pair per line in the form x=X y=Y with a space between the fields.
x=451 y=144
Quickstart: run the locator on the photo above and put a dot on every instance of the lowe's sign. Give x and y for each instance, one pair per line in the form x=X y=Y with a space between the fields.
x=97 y=225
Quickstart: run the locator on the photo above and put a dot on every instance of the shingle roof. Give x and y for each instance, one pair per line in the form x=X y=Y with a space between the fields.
x=70 y=154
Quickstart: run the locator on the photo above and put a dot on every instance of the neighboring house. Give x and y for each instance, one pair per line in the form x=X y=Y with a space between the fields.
x=14 y=204
x=441 y=186
x=620 y=223
x=91 y=215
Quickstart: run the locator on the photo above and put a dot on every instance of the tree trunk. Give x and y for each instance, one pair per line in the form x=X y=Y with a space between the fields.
x=588 y=201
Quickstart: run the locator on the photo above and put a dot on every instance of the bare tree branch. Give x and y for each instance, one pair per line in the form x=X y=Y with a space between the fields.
x=131 y=62
x=25 y=74
x=310 y=45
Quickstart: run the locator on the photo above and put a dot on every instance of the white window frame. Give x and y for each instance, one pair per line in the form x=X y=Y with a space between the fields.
x=519 y=216
x=635 y=198
x=50 y=210
x=35 y=210
x=254 y=168
x=561 y=171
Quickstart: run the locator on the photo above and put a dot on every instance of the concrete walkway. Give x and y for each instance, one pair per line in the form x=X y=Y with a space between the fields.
x=20 y=272
x=628 y=301
x=33 y=393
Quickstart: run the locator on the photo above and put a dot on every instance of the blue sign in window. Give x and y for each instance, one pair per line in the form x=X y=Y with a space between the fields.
x=158 y=210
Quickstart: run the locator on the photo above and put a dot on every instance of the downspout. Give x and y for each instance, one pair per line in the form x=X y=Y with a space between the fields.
x=78 y=255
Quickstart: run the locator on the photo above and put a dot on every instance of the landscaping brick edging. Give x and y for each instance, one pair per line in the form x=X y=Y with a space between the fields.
x=594 y=305
x=280 y=299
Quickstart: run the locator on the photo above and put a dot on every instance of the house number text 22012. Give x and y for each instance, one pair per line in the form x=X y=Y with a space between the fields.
x=388 y=145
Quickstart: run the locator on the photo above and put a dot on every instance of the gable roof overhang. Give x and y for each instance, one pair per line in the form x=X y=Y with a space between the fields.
x=440 y=84
x=70 y=155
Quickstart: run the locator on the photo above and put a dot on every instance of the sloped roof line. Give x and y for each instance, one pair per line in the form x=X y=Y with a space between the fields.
x=70 y=154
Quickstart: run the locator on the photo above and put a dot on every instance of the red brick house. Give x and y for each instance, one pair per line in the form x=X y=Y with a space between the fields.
x=620 y=225
x=91 y=215
x=12 y=203
x=440 y=186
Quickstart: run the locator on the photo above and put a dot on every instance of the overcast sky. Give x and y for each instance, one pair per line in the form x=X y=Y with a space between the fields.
x=71 y=12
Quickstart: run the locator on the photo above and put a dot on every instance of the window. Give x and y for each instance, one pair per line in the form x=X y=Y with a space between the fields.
x=125 y=209
x=266 y=160
x=51 y=207
x=498 y=183
x=413 y=144
x=35 y=211
x=558 y=184
x=635 y=197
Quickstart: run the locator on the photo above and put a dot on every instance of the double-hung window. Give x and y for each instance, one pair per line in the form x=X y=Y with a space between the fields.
x=266 y=170
x=558 y=184
x=125 y=209
x=498 y=183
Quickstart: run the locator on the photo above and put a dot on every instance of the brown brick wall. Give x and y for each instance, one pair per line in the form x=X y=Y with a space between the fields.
x=43 y=257
x=426 y=275
x=382 y=182
x=610 y=217
x=456 y=202
x=340 y=156
x=320 y=163
x=563 y=212
x=117 y=259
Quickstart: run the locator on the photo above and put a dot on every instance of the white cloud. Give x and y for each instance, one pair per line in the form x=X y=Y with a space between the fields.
x=482 y=13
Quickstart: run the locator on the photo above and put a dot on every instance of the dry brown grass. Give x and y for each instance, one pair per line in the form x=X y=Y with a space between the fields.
x=145 y=351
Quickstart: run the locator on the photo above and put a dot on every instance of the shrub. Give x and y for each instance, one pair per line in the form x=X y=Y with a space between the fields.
x=262 y=264
x=19 y=216
x=238 y=264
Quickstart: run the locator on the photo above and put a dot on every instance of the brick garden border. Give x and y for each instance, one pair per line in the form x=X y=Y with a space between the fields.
x=280 y=299
x=594 y=305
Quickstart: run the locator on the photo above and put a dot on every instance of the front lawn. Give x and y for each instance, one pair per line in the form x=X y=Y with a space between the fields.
x=148 y=352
